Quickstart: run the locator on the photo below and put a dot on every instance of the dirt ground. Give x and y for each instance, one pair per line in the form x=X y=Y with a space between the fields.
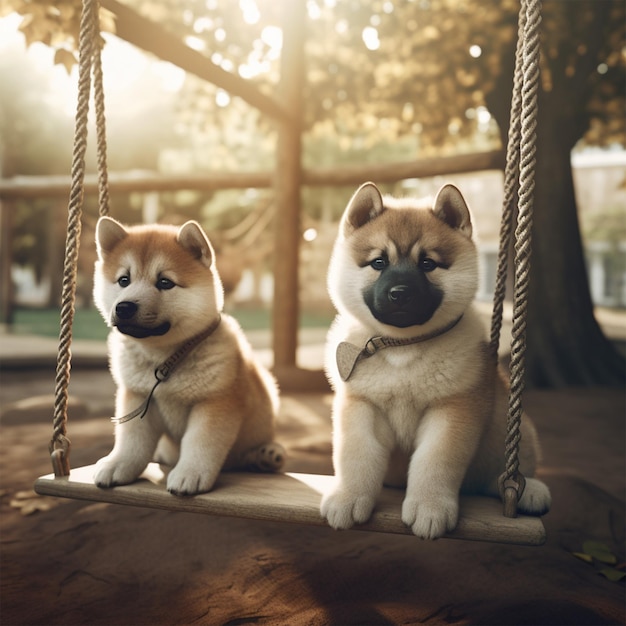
x=73 y=562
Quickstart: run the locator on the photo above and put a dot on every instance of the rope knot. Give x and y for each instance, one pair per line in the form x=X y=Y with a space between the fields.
x=511 y=489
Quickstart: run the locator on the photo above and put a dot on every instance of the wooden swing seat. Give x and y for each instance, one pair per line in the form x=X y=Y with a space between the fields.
x=290 y=497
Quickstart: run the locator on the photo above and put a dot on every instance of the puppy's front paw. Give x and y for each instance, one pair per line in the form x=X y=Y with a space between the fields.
x=343 y=509
x=188 y=481
x=110 y=472
x=536 y=498
x=430 y=518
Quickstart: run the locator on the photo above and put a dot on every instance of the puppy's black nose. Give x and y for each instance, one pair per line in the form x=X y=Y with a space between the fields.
x=399 y=294
x=125 y=310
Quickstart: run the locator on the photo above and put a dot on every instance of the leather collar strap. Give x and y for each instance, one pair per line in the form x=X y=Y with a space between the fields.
x=167 y=368
x=348 y=355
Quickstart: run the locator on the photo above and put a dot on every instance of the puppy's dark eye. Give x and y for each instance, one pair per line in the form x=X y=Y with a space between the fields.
x=379 y=263
x=123 y=281
x=165 y=283
x=428 y=265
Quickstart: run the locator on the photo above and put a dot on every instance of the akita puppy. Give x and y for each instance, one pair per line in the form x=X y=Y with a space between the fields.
x=418 y=397
x=186 y=376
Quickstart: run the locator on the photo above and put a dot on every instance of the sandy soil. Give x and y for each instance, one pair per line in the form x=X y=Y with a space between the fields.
x=71 y=562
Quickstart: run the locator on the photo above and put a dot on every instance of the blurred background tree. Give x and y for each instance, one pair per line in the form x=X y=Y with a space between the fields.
x=411 y=79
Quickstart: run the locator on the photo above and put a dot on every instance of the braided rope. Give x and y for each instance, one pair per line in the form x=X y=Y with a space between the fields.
x=511 y=481
x=98 y=94
x=60 y=444
x=511 y=173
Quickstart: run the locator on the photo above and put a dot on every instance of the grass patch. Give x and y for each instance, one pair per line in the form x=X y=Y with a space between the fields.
x=88 y=323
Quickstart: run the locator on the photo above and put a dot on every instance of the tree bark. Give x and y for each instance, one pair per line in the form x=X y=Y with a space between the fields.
x=565 y=345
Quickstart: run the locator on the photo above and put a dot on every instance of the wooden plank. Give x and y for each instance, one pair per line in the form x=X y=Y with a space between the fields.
x=292 y=498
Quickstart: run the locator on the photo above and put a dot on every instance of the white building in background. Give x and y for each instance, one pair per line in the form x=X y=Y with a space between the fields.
x=600 y=183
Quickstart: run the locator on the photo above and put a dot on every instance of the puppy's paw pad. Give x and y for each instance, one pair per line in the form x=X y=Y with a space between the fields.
x=430 y=520
x=343 y=510
x=536 y=498
x=109 y=473
x=269 y=457
x=188 y=483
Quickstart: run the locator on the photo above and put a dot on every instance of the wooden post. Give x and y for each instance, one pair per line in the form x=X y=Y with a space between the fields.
x=7 y=209
x=287 y=182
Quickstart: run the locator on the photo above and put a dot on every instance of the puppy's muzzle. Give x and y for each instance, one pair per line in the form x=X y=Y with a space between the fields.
x=125 y=319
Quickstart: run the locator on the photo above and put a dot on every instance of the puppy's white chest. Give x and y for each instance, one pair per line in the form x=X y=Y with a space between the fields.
x=404 y=415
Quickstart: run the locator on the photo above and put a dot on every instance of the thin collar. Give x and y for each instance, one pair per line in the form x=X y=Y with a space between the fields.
x=348 y=355
x=167 y=368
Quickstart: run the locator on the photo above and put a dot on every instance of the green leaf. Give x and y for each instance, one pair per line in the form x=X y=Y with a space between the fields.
x=612 y=574
x=600 y=552
x=583 y=557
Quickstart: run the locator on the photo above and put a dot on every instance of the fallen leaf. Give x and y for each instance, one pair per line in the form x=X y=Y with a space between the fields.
x=599 y=551
x=583 y=557
x=29 y=502
x=612 y=574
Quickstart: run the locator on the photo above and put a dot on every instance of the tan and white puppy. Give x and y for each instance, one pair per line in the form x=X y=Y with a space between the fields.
x=158 y=288
x=419 y=400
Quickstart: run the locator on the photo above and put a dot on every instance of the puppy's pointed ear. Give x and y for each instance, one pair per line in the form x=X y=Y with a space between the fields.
x=365 y=205
x=109 y=233
x=450 y=207
x=193 y=238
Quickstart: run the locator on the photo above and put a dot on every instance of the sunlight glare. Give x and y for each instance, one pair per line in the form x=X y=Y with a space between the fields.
x=172 y=77
x=250 y=11
x=227 y=65
x=341 y=27
x=195 y=43
x=272 y=36
x=483 y=115
x=370 y=38
x=475 y=51
x=313 y=10
x=258 y=61
x=222 y=99
x=201 y=24
x=63 y=88
x=484 y=119
x=123 y=64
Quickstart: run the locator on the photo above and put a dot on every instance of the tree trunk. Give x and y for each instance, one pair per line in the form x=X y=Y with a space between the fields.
x=565 y=345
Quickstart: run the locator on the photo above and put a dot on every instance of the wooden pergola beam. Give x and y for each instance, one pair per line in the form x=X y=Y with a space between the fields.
x=351 y=175
x=393 y=172
x=149 y=36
